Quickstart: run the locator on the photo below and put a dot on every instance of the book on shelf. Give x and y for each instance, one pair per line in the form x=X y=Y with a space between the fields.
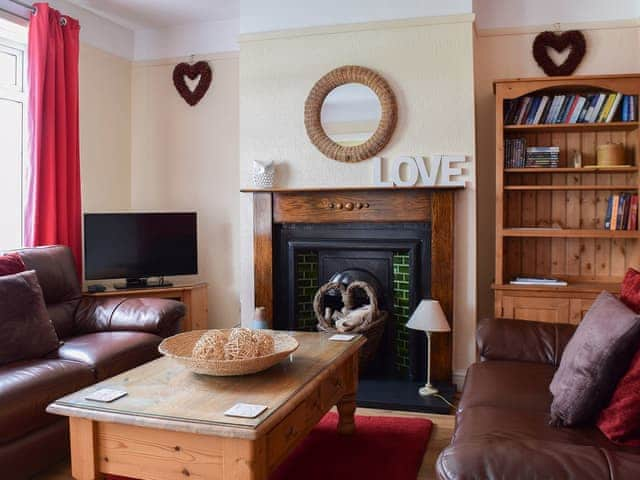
x=614 y=107
x=541 y=110
x=554 y=282
x=515 y=152
x=633 y=213
x=629 y=106
x=622 y=212
x=547 y=157
x=518 y=155
x=571 y=108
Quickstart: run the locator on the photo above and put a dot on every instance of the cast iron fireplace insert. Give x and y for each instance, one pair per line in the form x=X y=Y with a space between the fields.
x=398 y=255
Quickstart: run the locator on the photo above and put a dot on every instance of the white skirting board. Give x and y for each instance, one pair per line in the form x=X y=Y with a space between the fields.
x=458 y=378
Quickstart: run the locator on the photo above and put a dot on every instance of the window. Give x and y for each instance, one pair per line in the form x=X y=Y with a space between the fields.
x=13 y=135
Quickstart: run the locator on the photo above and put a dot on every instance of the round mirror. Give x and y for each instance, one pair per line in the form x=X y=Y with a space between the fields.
x=350 y=114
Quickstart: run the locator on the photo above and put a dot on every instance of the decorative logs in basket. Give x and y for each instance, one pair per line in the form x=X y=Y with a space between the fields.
x=367 y=320
x=238 y=344
x=205 y=359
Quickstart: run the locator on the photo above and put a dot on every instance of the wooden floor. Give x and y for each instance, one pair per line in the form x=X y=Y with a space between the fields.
x=440 y=437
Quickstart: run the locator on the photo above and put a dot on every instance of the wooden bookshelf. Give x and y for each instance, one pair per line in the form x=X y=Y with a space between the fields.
x=569 y=187
x=572 y=170
x=568 y=233
x=573 y=127
x=550 y=221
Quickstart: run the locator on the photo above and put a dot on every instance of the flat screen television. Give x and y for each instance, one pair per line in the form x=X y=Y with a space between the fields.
x=136 y=246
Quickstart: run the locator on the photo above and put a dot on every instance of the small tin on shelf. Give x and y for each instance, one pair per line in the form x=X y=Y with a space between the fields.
x=610 y=155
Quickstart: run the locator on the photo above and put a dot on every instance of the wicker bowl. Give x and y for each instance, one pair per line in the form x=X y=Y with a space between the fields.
x=179 y=347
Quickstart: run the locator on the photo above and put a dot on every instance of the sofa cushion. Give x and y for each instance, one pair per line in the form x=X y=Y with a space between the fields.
x=620 y=420
x=498 y=422
x=10 y=264
x=25 y=328
x=110 y=353
x=56 y=271
x=522 y=341
x=27 y=387
x=594 y=360
x=506 y=458
x=510 y=385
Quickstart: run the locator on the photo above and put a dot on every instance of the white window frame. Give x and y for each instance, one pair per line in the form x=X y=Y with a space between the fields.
x=14 y=42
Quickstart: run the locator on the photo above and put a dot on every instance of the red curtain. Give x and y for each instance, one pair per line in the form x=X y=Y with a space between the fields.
x=53 y=213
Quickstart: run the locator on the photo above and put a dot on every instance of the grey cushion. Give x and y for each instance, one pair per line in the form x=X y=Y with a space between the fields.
x=26 y=332
x=594 y=360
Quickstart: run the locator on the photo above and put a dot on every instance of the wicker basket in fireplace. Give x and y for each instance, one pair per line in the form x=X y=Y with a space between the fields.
x=372 y=326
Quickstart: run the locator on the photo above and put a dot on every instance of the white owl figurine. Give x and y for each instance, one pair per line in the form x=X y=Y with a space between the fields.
x=263 y=173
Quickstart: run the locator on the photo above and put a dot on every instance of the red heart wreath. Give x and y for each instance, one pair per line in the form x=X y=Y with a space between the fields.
x=572 y=38
x=192 y=71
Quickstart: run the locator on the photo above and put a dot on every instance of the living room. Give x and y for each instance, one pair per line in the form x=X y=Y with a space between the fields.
x=358 y=239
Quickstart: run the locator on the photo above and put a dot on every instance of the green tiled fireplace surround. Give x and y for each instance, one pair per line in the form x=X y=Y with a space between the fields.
x=306 y=288
x=306 y=267
x=401 y=309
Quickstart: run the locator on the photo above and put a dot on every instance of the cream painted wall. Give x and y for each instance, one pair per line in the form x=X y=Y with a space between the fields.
x=186 y=158
x=105 y=130
x=611 y=48
x=519 y=13
x=97 y=31
x=272 y=15
x=428 y=64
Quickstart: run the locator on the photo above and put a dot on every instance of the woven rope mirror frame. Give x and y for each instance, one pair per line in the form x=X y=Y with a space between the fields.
x=313 y=107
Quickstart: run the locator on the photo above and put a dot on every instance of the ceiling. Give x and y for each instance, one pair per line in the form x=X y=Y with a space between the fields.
x=154 y=14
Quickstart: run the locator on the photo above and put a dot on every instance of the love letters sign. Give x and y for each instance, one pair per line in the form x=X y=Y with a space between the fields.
x=443 y=170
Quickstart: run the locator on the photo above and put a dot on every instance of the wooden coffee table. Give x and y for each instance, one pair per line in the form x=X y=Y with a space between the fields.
x=171 y=425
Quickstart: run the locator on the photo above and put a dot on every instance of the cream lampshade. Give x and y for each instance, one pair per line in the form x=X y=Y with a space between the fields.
x=429 y=317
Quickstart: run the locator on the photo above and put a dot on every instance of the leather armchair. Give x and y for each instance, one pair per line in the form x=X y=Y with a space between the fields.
x=502 y=422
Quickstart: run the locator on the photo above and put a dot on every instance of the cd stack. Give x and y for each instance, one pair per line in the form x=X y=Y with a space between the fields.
x=546 y=157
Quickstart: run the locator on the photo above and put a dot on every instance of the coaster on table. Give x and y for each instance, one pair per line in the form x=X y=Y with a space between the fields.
x=106 y=395
x=245 y=410
x=341 y=337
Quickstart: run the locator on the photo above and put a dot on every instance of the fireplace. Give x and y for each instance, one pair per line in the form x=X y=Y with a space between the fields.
x=395 y=258
x=308 y=234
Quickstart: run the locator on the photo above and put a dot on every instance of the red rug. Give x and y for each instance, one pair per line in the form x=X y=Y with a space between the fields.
x=382 y=448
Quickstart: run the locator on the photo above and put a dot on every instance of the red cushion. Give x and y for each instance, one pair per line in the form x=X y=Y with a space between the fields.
x=10 y=264
x=620 y=420
x=630 y=290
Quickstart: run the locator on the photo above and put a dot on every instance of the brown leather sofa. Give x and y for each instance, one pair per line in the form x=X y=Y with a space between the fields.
x=100 y=338
x=502 y=422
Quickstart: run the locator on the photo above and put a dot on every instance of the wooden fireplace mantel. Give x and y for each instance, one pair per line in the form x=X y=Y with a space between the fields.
x=354 y=189
x=361 y=204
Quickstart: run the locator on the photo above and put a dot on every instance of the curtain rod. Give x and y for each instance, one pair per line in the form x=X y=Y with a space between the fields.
x=28 y=6
x=31 y=8
x=13 y=13
x=9 y=12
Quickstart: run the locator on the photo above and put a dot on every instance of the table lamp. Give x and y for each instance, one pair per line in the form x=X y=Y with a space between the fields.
x=429 y=317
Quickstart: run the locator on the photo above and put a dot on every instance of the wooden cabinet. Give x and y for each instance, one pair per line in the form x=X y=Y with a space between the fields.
x=578 y=309
x=552 y=310
x=553 y=305
x=550 y=221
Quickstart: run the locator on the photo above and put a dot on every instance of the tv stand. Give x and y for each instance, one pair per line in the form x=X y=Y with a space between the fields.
x=138 y=283
x=194 y=296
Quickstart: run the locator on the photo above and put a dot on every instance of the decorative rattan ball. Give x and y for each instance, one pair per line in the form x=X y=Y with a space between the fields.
x=241 y=345
x=266 y=344
x=210 y=346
